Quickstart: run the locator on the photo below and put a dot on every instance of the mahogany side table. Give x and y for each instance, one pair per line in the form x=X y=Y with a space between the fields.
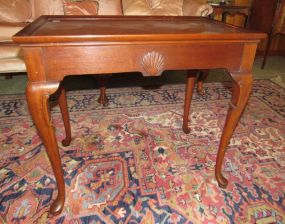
x=58 y=46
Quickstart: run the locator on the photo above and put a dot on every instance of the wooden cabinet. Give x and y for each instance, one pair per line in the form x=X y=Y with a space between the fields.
x=262 y=15
x=265 y=16
x=268 y=16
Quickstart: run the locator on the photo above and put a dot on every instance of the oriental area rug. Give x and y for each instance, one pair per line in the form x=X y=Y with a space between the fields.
x=130 y=162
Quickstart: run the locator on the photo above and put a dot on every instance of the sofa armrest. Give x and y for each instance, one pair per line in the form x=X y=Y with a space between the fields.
x=191 y=8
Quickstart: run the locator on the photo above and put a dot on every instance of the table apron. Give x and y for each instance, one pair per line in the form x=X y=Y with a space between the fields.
x=150 y=60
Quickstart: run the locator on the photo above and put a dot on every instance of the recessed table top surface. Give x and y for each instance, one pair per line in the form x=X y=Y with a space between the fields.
x=127 y=28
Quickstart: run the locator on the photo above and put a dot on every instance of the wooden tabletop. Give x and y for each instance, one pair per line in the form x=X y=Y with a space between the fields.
x=47 y=29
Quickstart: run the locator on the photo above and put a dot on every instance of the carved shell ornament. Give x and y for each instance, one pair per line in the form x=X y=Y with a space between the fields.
x=152 y=63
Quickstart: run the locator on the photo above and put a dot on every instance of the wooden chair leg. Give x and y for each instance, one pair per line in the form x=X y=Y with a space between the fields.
x=203 y=74
x=102 y=81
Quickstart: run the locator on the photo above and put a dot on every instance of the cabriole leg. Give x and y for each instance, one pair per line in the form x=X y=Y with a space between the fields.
x=65 y=116
x=102 y=81
x=203 y=74
x=242 y=84
x=38 y=103
x=191 y=77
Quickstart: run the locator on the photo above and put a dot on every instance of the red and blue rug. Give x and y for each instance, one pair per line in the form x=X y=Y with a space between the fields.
x=130 y=162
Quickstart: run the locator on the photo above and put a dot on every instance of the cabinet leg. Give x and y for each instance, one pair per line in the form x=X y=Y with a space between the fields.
x=38 y=103
x=65 y=116
x=268 y=45
x=242 y=85
x=191 y=77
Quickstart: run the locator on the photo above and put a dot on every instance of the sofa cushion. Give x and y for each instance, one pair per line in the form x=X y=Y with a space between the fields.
x=46 y=7
x=110 y=7
x=15 y=11
x=153 y=7
x=80 y=7
x=195 y=8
